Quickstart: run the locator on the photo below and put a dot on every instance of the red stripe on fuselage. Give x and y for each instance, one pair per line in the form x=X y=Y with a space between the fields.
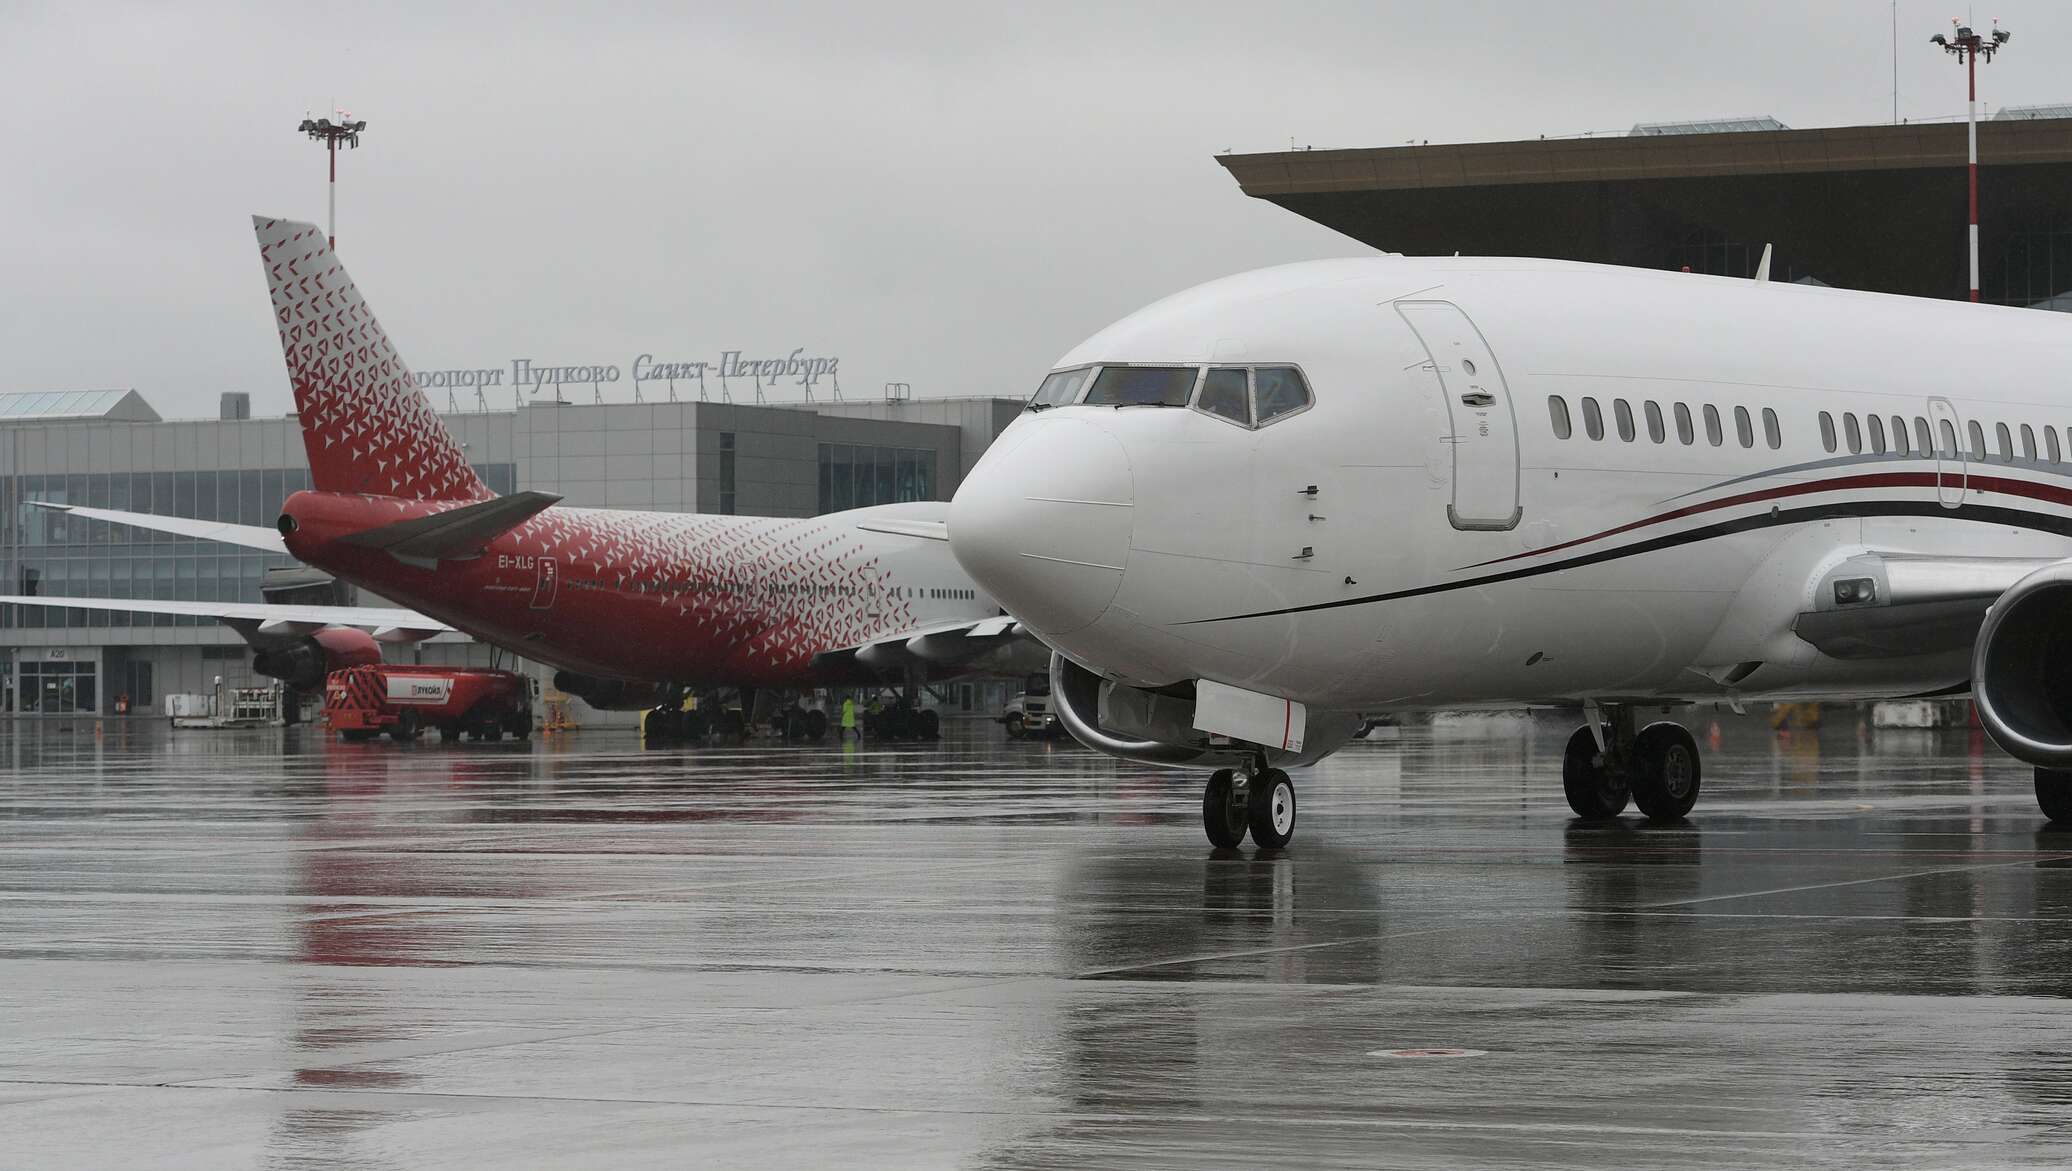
x=1999 y=484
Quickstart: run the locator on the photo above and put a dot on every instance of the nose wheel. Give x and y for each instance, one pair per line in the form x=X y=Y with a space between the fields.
x=1261 y=804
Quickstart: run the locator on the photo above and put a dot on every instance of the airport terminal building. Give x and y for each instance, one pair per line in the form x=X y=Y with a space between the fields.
x=111 y=449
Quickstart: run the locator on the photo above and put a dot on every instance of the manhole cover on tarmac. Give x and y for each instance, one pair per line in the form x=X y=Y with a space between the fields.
x=1427 y=1052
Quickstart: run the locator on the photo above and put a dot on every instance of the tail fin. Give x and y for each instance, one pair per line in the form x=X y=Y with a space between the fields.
x=364 y=420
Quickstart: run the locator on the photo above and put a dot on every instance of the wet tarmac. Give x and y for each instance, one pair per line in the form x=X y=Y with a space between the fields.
x=261 y=949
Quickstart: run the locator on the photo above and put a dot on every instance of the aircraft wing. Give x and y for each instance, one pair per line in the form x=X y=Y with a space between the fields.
x=264 y=619
x=978 y=645
x=1887 y=605
x=247 y=536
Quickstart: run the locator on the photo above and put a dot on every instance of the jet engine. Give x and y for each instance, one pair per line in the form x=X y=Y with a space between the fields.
x=1155 y=727
x=611 y=695
x=2021 y=668
x=303 y=663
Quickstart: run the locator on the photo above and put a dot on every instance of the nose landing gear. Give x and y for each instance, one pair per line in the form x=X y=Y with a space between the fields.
x=1257 y=799
x=1656 y=768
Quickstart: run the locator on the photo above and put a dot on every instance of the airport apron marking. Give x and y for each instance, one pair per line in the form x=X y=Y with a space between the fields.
x=1980 y=513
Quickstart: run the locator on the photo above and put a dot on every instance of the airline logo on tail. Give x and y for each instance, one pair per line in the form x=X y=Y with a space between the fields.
x=365 y=423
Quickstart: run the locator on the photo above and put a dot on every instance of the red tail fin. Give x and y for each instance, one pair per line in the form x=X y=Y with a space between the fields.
x=366 y=424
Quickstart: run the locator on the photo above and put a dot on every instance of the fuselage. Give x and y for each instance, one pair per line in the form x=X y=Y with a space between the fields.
x=1521 y=482
x=656 y=596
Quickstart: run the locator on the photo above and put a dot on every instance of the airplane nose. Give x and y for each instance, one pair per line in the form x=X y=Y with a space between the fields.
x=1043 y=524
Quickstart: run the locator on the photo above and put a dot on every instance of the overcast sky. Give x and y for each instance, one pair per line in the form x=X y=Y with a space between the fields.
x=945 y=194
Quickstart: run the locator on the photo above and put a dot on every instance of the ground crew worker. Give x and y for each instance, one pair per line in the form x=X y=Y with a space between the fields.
x=849 y=718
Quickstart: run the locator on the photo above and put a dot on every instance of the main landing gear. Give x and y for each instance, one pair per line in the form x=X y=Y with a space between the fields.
x=1657 y=768
x=1257 y=799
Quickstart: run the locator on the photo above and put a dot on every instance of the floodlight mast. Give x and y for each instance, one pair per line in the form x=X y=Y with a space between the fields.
x=331 y=133
x=1968 y=46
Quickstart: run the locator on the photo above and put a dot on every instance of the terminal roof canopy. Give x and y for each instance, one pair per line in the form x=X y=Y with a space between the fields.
x=57 y=406
x=1862 y=207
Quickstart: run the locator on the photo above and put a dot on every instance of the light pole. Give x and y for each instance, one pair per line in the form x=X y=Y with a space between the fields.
x=331 y=133
x=1968 y=47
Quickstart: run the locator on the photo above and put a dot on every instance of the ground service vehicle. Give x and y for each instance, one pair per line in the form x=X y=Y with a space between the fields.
x=1029 y=714
x=363 y=702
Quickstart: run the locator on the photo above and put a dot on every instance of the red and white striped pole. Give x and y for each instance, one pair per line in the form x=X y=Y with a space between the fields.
x=1969 y=47
x=1971 y=157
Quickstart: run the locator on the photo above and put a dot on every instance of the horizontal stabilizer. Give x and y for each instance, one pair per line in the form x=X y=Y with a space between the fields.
x=245 y=536
x=456 y=534
x=266 y=619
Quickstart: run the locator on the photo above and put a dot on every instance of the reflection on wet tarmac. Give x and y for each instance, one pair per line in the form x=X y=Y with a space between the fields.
x=267 y=949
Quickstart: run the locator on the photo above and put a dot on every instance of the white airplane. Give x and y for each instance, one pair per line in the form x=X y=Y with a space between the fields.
x=1252 y=512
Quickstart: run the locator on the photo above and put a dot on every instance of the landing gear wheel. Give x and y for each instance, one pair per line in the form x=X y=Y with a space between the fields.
x=2054 y=795
x=1665 y=771
x=1015 y=729
x=1270 y=801
x=1223 y=811
x=1595 y=791
x=407 y=727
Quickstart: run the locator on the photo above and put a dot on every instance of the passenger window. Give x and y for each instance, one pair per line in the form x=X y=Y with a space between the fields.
x=1948 y=450
x=1877 y=433
x=1924 y=439
x=1899 y=434
x=2006 y=442
x=1060 y=388
x=1978 y=439
x=1772 y=433
x=1855 y=435
x=1827 y=431
x=1624 y=413
x=1223 y=394
x=1143 y=386
x=2028 y=442
x=1557 y=410
x=1593 y=419
x=1277 y=391
x=2050 y=444
x=1684 y=434
x=1712 y=428
x=1744 y=427
x=1654 y=416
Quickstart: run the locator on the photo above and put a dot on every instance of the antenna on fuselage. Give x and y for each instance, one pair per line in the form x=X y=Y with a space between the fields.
x=1762 y=268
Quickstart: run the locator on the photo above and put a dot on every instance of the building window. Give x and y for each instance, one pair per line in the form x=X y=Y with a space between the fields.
x=858 y=476
x=726 y=473
x=1557 y=410
x=1827 y=431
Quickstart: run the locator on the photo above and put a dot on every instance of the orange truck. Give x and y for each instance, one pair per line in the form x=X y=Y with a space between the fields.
x=364 y=702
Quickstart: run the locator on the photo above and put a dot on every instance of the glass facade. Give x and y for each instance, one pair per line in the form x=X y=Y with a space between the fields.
x=59 y=688
x=45 y=552
x=856 y=476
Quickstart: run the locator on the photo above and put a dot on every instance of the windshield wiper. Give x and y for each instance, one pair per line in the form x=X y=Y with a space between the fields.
x=1037 y=407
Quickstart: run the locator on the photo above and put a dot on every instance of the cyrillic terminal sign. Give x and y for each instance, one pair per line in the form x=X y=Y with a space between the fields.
x=531 y=378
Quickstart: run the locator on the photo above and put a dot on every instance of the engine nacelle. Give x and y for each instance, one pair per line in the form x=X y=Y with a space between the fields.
x=2021 y=668
x=303 y=663
x=611 y=695
x=1161 y=727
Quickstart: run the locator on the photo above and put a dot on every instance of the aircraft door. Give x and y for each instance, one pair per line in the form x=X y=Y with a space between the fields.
x=1483 y=426
x=1951 y=467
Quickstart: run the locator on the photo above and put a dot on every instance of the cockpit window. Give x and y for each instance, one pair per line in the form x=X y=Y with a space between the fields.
x=1277 y=391
x=1060 y=388
x=1224 y=393
x=1143 y=386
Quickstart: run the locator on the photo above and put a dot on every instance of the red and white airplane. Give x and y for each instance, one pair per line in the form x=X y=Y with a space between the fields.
x=630 y=606
x=1258 y=509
